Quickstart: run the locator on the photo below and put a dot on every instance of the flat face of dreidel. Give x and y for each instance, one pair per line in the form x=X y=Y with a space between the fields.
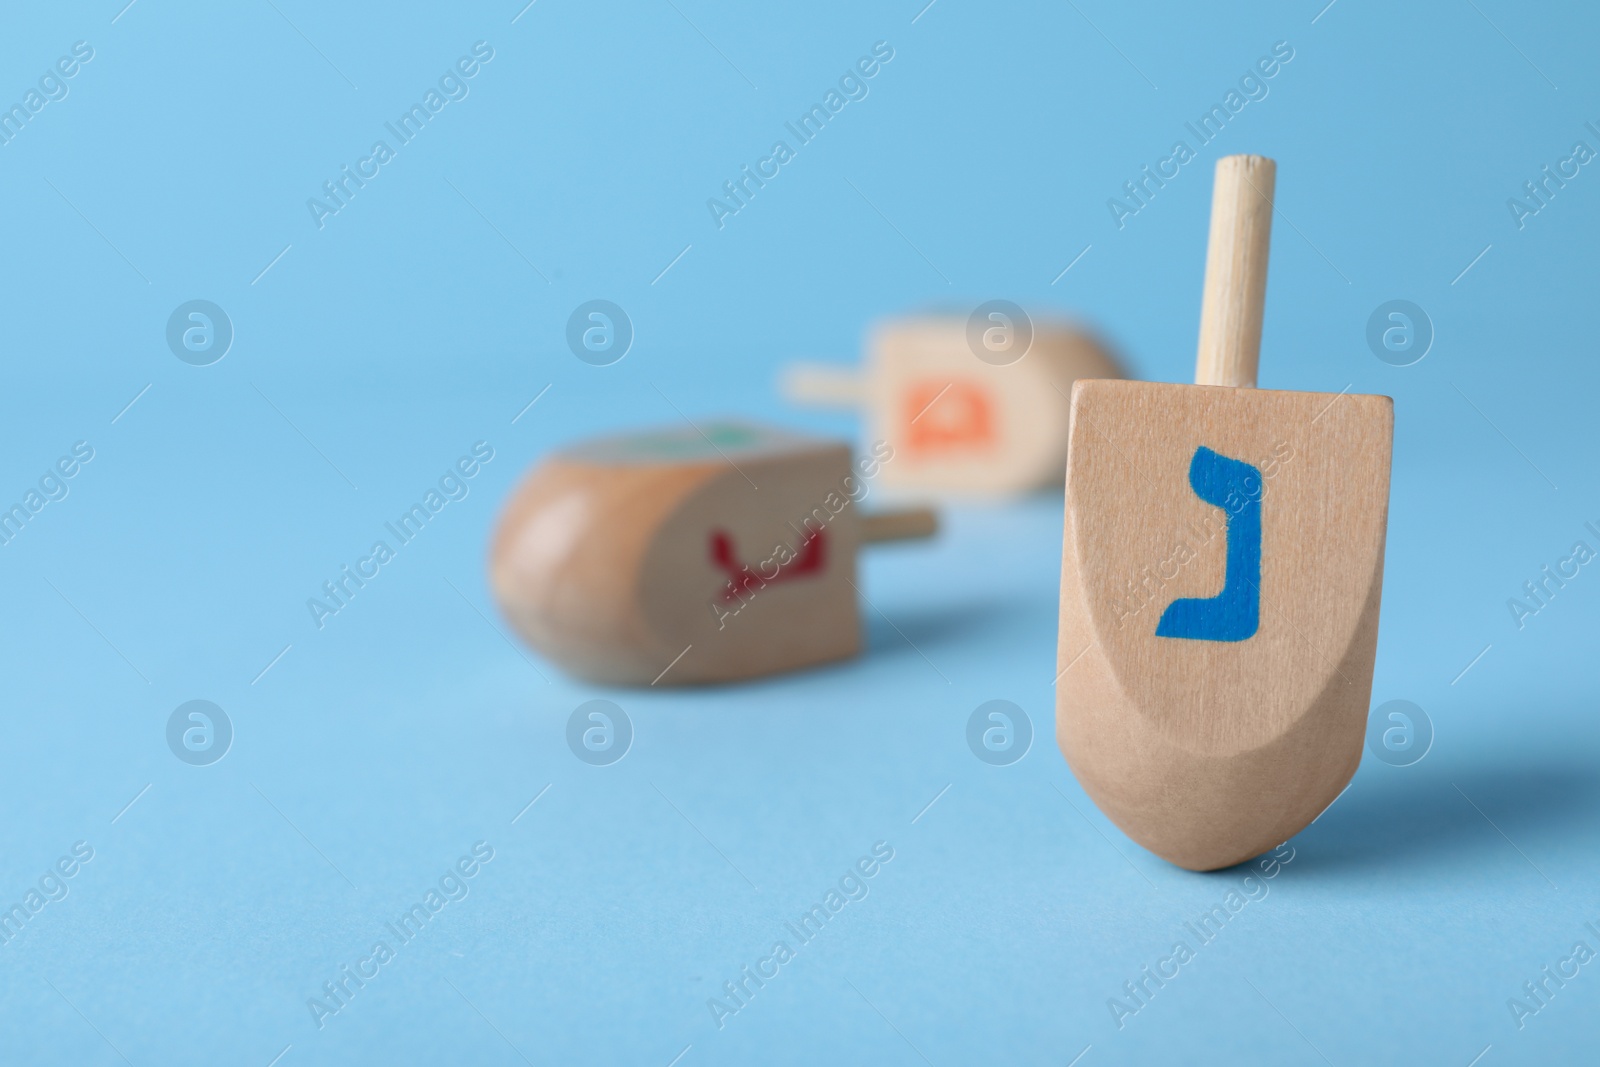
x=685 y=555
x=1222 y=565
x=752 y=573
x=959 y=423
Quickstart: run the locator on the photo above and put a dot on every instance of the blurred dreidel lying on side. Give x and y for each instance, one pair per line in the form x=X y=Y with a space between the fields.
x=972 y=406
x=680 y=557
x=1220 y=577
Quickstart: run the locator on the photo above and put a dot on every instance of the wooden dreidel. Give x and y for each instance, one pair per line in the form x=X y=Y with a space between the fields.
x=972 y=406
x=682 y=557
x=1220 y=578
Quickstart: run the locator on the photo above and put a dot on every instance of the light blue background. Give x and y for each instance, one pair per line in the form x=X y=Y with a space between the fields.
x=377 y=750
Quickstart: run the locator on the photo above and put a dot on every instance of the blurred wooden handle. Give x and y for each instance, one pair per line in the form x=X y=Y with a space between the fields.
x=825 y=384
x=902 y=525
x=1236 y=272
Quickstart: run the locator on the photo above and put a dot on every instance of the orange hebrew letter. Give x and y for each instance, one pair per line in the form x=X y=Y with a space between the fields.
x=948 y=415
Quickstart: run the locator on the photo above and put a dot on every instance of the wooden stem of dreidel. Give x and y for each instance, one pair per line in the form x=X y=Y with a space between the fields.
x=1236 y=272
x=825 y=384
x=903 y=525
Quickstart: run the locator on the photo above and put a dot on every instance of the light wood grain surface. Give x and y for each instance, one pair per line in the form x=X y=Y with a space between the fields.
x=961 y=426
x=1236 y=272
x=1221 y=571
x=1210 y=752
x=679 y=557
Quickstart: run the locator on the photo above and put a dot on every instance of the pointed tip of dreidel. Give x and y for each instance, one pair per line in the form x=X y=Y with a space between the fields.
x=1221 y=573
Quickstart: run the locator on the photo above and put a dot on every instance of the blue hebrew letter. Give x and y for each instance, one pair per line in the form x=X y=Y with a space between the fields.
x=1234 y=613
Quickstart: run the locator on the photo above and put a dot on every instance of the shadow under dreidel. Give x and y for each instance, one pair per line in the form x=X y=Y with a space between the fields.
x=1401 y=819
x=939 y=626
